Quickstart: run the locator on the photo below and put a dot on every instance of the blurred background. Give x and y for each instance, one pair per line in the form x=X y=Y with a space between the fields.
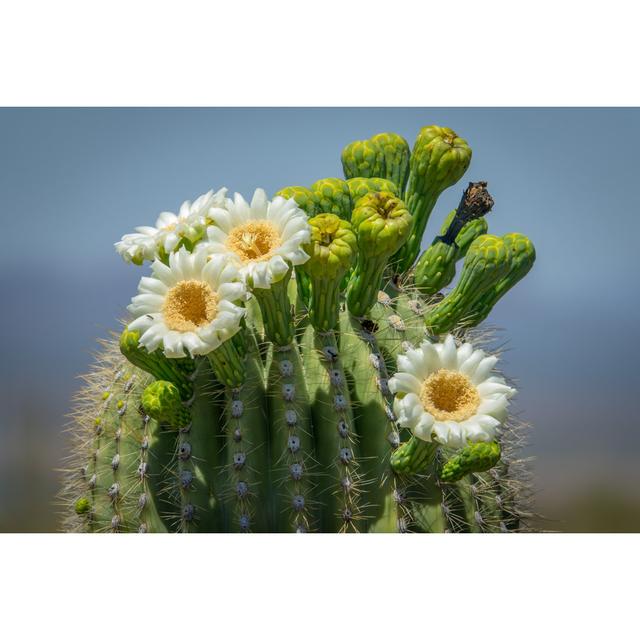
x=73 y=181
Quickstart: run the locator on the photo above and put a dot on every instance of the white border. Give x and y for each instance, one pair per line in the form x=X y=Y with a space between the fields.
x=329 y=53
x=319 y=586
x=364 y=52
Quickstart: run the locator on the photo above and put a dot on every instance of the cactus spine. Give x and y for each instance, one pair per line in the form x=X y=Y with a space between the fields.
x=286 y=369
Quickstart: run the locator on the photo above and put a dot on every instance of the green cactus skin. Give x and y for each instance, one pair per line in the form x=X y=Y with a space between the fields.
x=289 y=425
x=436 y=267
x=247 y=452
x=438 y=160
x=276 y=311
x=197 y=458
x=486 y=263
x=381 y=223
x=379 y=499
x=292 y=453
x=477 y=456
x=339 y=485
x=366 y=370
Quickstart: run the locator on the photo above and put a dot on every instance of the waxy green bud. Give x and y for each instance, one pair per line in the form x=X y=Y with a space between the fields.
x=437 y=265
x=363 y=159
x=522 y=255
x=414 y=456
x=82 y=506
x=382 y=223
x=304 y=198
x=396 y=152
x=439 y=159
x=161 y=400
x=175 y=370
x=332 y=248
x=385 y=155
x=332 y=195
x=475 y=457
x=487 y=261
x=359 y=187
x=332 y=252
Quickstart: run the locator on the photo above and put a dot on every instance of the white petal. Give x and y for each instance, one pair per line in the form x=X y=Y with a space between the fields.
x=223 y=220
x=173 y=345
x=448 y=353
x=259 y=204
x=464 y=352
x=430 y=356
x=471 y=364
x=152 y=285
x=232 y=291
x=484 y=369
x=402 y=382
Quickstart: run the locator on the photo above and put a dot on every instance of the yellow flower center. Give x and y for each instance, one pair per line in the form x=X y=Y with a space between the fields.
x=449 y=395
x=188 y=305
x=255 y=240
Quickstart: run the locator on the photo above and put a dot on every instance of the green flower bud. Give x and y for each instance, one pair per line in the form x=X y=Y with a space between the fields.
x=304 y=198
x=332 y=195
x=359 y=187
x=175 y=370
x=439 y=159
x=363 y=159
x=82 y=506
x=385 y=155
x=332 y=251
x=475 y=457
x=396 y=157
x=414 y=456
x=437 y=265
x=522 y=255
x=382 y=223
x=487 y=261
x=161 y=400
x=332 y=248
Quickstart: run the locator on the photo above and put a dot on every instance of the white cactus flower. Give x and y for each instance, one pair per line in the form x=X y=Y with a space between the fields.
x=448 y=393
x=170 y=229
x=189 y=306
x=263 y=239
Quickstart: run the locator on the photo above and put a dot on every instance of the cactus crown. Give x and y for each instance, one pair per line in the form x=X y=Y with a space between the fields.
x=276 y=376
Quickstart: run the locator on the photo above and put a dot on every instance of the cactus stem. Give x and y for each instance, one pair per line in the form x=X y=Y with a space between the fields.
x=247 y=451
x=228 y=364
x=336 y=444
x=291 y=440
x=275 y=307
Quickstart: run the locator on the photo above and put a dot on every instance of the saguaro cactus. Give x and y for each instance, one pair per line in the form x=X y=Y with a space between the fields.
x=285 y=368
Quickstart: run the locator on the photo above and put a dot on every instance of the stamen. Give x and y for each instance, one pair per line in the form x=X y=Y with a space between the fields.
x=449 y=395
x=255 y=240
x=188 y=305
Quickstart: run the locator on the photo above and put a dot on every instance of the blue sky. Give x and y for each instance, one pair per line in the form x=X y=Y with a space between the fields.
x=74 y=180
